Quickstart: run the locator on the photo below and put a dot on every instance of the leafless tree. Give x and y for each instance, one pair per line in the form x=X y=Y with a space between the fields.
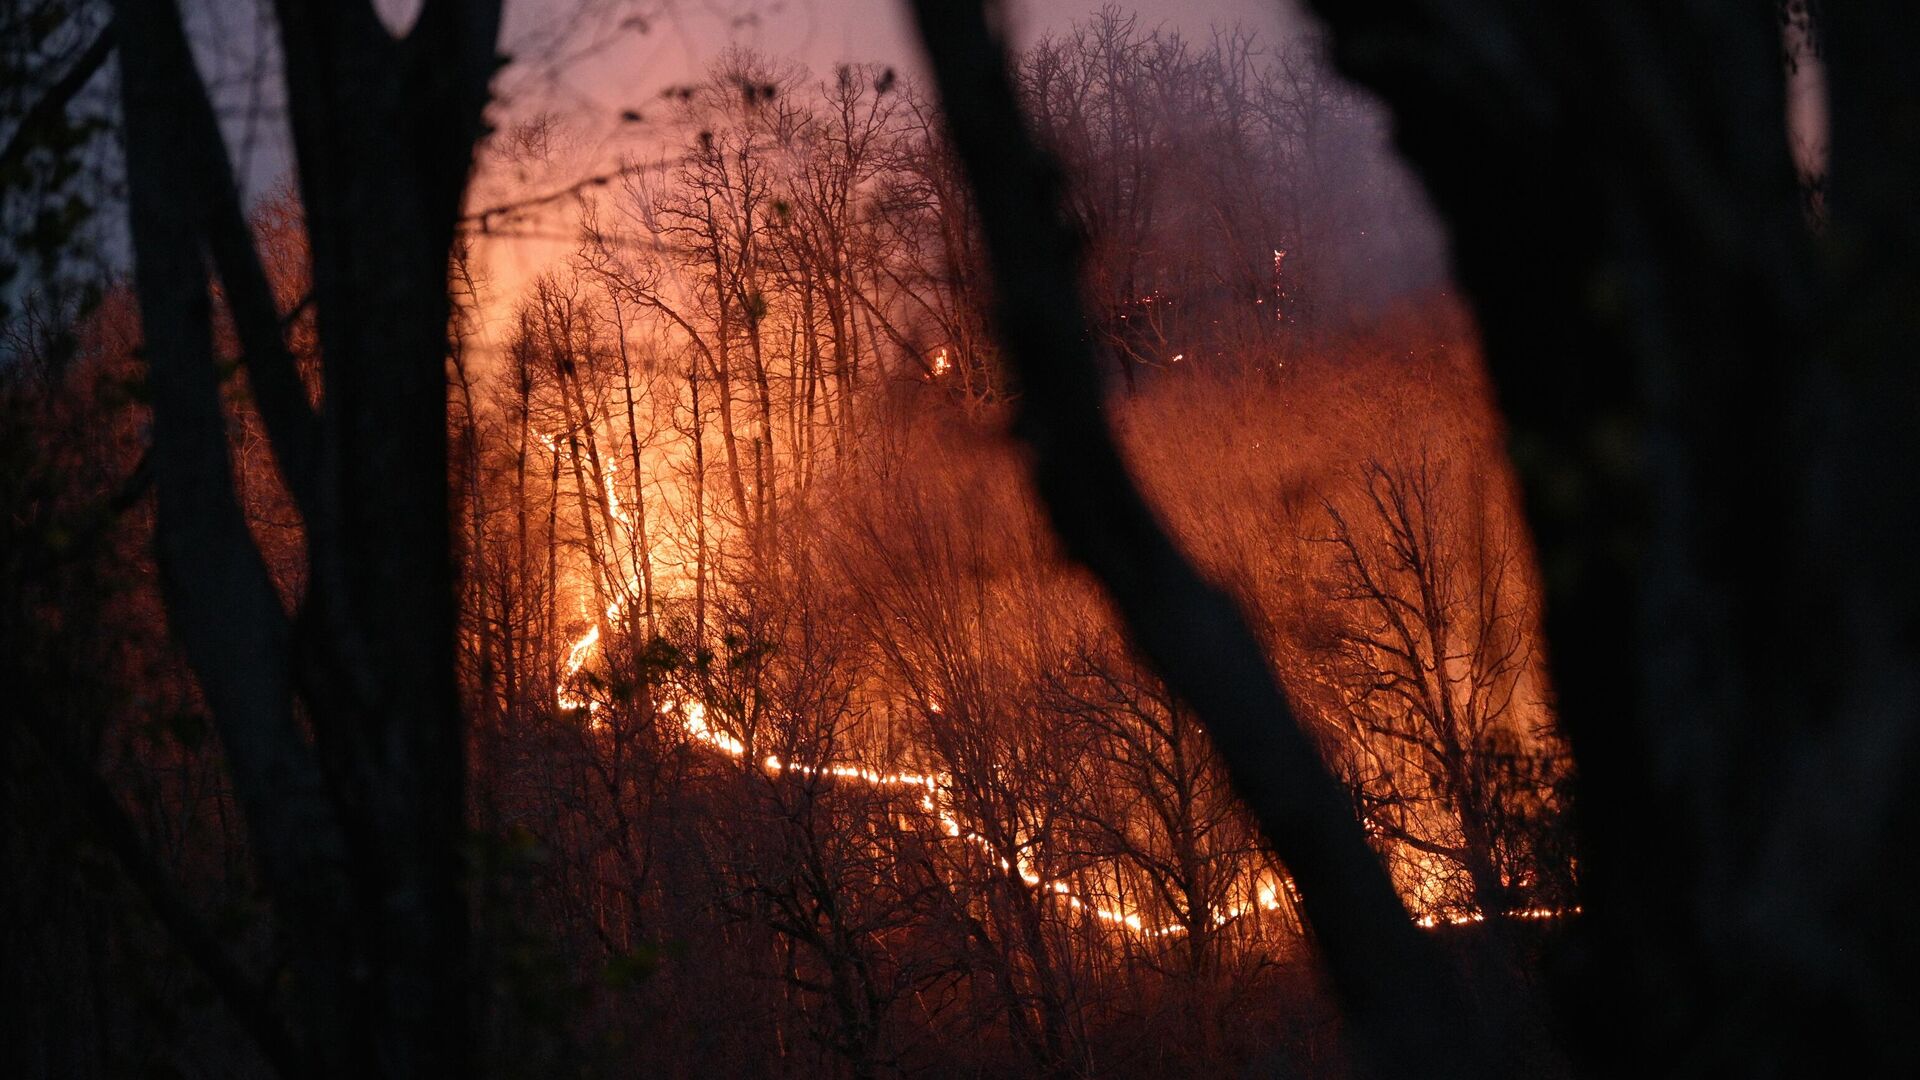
x=1432 y=651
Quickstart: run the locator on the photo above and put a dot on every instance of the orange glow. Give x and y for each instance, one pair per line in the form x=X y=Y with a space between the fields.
x=937 y=804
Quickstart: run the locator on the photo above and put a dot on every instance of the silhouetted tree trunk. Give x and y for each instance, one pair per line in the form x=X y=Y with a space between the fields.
x=357 y=828
x=1712 y=412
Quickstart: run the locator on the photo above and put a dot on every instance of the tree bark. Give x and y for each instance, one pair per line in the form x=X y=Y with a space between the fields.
x=358 y=831
x=1711 y=412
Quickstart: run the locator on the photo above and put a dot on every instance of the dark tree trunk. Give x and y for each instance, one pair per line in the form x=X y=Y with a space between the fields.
x=358 y=830
x=1712 y=414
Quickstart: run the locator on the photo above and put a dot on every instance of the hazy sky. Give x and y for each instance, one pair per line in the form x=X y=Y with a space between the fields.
x=589 y=60
x=592 y=58
x=680 y=36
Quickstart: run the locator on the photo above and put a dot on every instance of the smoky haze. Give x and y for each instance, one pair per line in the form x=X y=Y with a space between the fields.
x=1234 y=116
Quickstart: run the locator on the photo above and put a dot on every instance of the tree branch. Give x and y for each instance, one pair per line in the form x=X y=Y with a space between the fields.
x=53 y=104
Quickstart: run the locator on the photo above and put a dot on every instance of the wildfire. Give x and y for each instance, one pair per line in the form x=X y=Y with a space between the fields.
x=1429 y=922
x=614 y=509
x=577 y=656
x=577 y=659
x=935 y=801
x=937 y=804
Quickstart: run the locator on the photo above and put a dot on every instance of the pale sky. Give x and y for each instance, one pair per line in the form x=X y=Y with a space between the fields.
x=587 y=61
x=681 y=36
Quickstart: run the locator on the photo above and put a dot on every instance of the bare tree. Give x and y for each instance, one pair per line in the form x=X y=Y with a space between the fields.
x=1433 y=655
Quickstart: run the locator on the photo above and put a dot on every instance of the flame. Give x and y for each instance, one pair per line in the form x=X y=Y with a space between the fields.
x=936 y=803
x=577 y=659
x=1468 y=918
x=577 y=656
x=614 y=509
